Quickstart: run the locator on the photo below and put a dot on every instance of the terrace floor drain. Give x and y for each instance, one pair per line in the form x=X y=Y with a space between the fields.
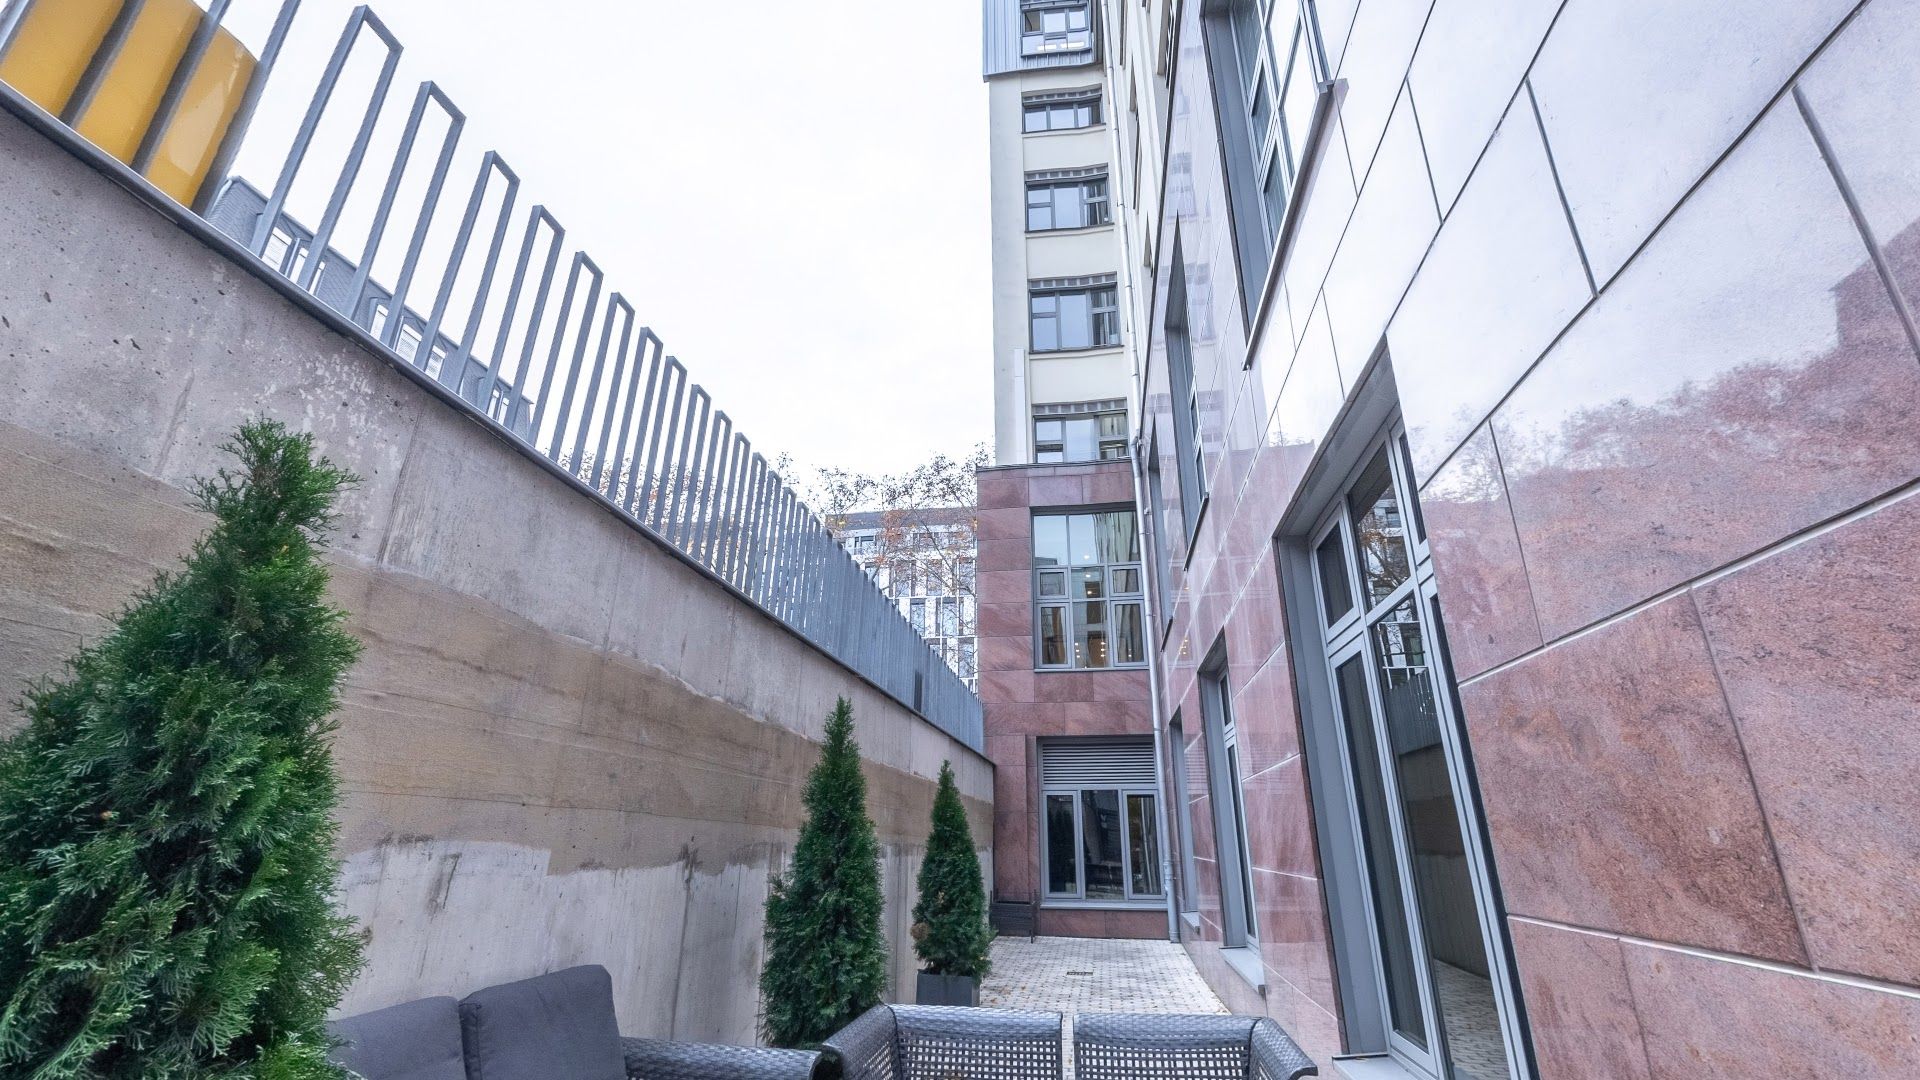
x=1079 y=972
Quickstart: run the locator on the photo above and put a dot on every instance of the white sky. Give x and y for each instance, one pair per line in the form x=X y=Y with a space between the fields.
x=793 y=195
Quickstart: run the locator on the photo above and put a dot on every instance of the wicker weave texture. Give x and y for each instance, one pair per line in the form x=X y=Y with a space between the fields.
x=1136 y=1046
x=657 y=1059
x=929 y=1042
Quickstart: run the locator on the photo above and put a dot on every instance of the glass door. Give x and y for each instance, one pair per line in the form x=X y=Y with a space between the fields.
x=1430 y=900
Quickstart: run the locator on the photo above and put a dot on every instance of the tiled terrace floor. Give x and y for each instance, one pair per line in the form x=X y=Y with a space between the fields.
x=1075 y=975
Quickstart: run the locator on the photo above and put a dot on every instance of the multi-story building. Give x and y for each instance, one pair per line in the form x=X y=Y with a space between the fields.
x=1064 y=679
x=1529 y=449
x=925 y=561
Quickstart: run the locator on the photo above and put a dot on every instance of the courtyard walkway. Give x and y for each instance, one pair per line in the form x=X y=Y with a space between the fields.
x=1075 y=975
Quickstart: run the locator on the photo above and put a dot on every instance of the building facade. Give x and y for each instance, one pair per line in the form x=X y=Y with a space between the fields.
x=1064 y=680
x=1529 y=441
x=926 y=562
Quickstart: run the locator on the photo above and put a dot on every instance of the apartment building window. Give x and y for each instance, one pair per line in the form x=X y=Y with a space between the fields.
x=1082 y=431
x=1224 y=769
x=1073 y=313
x=1051 y=26
x=1089 y=607
x=1439 y=983
x=1188 y=450
x=1067 y=199
x=1101 y=819
x=1270 y=68
x=1162 y=542
x=1060 y=111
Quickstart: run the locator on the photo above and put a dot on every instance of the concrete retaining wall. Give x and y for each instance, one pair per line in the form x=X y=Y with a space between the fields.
x=563 y=745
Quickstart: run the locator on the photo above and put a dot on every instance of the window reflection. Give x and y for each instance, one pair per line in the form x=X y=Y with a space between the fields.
x=1379 y=535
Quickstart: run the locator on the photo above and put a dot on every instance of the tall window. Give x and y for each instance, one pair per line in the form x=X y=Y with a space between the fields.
x=1230 y=810
x=1101 y=820
x=1269 y=67
x=1073 y=313
x=1062 y=111
x=1084 y=431
x=1186 y=398
x=1429 y=902
x=1067 y=199
x=1052 y=26
x=1088 y=604
x=1183 y=803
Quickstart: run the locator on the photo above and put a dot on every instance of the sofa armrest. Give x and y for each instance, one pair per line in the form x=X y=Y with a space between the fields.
x=658 y=1059
x=1276 y=1056
x=864 y=1049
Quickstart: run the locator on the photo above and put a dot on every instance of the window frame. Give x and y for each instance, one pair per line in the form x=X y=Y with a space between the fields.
x=1103 y=314
x=1066 y=603
x=1071 y=102
x=1095 y=200
x=1188 y=442
x=1262 y=142
x=1232 y=844
x=1124 y=792
x=1041 y=41
x=1093 y=412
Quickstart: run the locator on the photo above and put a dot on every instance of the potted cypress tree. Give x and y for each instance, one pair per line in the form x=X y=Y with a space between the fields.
x=950 y=931
x=826 y=956
x=166 y=816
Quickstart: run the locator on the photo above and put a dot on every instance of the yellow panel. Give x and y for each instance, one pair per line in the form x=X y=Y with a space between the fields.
x=56 y=42
x=206 y=111
x=131 y=90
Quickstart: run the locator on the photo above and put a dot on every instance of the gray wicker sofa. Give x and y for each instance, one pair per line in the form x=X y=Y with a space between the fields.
x=558 y=1026
x=1132 y=1046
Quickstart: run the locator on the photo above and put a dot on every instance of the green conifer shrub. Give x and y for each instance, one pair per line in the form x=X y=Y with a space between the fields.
x=950 y=928
x=826 y=959
x=167 y=877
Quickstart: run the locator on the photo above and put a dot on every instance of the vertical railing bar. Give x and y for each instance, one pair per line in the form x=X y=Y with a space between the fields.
x=10 y=16
x=243 y=115
x=637 y=482
x=626 y=419
x=693 y=439
x=559 y=343
x=784 y=576
x=714 y=488
x=105 y=55
x=457 y=122
x=350 y=169
x=183 y=72
x=615 y=383
x=589 y=403
x=657 y=490
x=490 y=163
x=564 y=414
x=534 y=218
x=756 y=504
x=376 y=230
x=736 y=509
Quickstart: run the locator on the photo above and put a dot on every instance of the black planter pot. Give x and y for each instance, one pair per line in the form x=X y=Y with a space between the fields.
x=947 y=990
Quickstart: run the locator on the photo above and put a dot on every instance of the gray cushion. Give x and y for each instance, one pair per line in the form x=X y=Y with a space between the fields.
x=419 y=1040
x=550 y=1027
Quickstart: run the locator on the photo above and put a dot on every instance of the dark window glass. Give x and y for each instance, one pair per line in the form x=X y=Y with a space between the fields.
x=1062 y=845
x=1335 y=593
x=1143 y=835
x=1379 y=534
x=1053 y=636
x=1390 y=913
x=1449 y=913
x=1128 y=640
x=1103 y=853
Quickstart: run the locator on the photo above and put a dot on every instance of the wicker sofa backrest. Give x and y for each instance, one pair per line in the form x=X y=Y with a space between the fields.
x=1134 y=1046
x=941 y=1042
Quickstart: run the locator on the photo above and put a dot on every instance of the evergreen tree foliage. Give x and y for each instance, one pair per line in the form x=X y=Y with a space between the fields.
x=826 y=958
x=166 y=836
x=950 y=928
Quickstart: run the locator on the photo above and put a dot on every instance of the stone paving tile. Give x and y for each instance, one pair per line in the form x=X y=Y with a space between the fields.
x=1074 y=975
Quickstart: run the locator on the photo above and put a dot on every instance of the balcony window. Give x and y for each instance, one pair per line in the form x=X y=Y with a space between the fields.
x=1060 y=111
x=1070 y=199
x=1077 y=313
x=1083 y=431
x=1048 y=28
x=1089 y=604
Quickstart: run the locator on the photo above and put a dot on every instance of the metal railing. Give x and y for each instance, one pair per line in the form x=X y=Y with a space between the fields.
x=617 y=414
